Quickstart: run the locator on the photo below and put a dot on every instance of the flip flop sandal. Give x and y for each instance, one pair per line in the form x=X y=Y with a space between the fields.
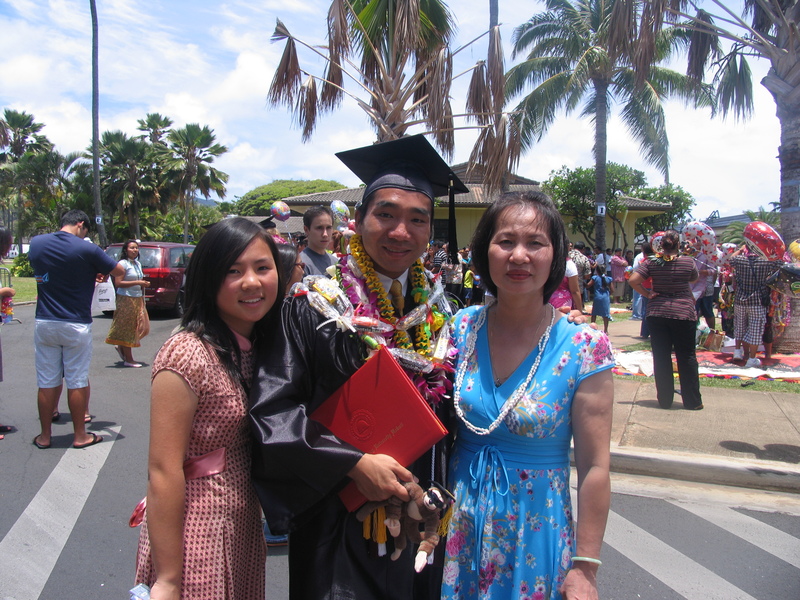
x=38 y=445
x=56 y=416
x=88 y=418
x=6 y=429
x=96 y=439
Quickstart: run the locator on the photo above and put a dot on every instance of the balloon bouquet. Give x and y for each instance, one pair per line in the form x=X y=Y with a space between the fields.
x=343 y=224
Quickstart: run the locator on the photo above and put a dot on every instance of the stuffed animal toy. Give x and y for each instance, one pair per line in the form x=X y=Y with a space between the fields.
x=403 y=519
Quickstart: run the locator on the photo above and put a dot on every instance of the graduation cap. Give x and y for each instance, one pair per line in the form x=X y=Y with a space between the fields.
x=408 y=163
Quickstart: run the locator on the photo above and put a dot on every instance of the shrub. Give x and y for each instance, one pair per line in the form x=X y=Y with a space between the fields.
x=21 y=267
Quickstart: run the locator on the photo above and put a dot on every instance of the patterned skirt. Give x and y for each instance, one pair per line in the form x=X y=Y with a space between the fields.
x=127 y=328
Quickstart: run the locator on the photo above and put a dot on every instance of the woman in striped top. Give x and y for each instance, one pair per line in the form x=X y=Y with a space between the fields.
x=671 y=319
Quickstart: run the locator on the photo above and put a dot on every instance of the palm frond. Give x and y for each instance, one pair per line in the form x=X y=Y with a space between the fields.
x=306 y=109
x=338 y=38
x=495 y=69
x=704 y=45
x=332 y=82
x=478 y=99
x=734 y=83
x=622 y=26
x=288 y=76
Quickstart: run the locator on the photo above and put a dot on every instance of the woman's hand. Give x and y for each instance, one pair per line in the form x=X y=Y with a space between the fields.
x=165 y=591
x=580 y=583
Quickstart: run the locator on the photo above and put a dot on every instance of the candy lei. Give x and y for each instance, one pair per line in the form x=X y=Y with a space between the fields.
x=514 y=399
x=419 y=290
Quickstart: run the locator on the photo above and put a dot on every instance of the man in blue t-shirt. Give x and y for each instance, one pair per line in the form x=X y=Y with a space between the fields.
x=66 y=268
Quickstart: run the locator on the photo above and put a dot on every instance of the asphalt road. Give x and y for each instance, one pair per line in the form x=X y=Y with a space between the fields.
x=64 y=531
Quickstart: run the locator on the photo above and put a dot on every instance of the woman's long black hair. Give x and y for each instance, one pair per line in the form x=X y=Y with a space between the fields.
x=216 y=251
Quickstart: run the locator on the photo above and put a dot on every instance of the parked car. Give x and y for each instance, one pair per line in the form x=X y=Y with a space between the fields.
x=163 y=264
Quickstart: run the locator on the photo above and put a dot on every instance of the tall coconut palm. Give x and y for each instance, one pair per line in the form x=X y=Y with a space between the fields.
x=581 y=54
x=403 y=72
x=187 y=163
x=764 y=30
x=98 y=209
x=21 y=136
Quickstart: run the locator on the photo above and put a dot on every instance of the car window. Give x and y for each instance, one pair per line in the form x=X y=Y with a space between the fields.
x=114 y=252
x=150 y=258
x=177 y=258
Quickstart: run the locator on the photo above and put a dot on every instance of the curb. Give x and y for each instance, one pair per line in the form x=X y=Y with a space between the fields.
x=731 y=471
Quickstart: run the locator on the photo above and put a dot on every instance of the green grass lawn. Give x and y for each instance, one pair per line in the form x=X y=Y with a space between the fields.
x=25 y=287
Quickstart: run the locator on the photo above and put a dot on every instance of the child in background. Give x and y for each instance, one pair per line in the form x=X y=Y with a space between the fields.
x=601 y=307
x=469 y=278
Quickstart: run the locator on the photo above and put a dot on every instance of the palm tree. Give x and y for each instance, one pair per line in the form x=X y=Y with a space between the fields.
x=765 y=30
x=155 y=127
x=128 y=178
x=21 y=134
x=98 y=209
x=403 y=73
x=734 y=233
x=187 y=163
x=581 y=54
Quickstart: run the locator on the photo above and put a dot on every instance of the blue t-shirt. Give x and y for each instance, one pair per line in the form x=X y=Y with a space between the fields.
x=65 y=267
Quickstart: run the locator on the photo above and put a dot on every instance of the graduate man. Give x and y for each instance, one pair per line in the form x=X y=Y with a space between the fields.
x=299 y=466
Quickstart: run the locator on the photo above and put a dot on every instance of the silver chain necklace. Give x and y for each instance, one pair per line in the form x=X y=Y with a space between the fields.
x=515 y=397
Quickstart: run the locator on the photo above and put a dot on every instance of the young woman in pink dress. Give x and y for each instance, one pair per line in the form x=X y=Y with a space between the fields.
x=202 y=537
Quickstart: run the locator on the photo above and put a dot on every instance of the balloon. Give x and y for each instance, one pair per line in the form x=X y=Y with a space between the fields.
x=786 y=280
x=341 y=214
x=764 y=240
x=794 y=251
x=701 y=236
x=718 y=258
x=280 y=210
x=656 y=241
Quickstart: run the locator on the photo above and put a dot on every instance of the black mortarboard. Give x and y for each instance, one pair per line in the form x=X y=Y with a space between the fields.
x=268 y=222
x=409 y=163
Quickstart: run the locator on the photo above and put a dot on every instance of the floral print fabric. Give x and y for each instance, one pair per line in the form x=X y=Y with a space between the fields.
x=511 y=535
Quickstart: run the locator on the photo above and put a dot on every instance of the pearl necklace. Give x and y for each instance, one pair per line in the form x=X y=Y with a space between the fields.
x=514 y=399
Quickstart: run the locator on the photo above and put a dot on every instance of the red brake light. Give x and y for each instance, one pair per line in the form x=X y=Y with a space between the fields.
x=156 y=273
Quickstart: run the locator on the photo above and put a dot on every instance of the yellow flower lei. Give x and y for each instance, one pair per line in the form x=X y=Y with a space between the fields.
x=418 y=285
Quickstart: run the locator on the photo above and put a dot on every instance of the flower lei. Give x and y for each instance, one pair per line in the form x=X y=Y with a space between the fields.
x=419 y=291
x=659 y=258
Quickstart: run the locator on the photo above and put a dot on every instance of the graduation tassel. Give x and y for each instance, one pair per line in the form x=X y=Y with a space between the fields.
x=444 y=522
x=379 y=532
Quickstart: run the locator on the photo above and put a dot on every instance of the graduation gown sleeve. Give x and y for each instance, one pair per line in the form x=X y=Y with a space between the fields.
x=297 y=462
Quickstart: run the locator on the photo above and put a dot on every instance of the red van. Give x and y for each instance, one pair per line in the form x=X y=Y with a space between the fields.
x=163 y=264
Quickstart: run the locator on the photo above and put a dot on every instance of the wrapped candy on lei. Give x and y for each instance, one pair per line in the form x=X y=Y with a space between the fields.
x=356 y=301
x=6 y=310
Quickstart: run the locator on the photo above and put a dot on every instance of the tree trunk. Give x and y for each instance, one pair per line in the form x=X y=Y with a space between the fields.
x=494 y=9
x=19 y=220
x=789 y=156
x=98 y=209
x=186 y=199
x=600 y=150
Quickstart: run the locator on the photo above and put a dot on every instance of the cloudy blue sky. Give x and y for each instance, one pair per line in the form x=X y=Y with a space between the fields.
x=212 y=62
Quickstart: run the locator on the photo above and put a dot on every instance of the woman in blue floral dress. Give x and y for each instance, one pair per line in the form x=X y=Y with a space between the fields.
x=527 y=382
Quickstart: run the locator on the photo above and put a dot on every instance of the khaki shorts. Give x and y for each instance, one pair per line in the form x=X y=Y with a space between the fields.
x=62 y=350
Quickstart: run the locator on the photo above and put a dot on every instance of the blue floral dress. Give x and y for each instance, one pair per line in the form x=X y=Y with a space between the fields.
x=511 y=535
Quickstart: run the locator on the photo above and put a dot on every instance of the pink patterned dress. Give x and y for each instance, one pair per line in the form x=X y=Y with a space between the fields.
x=224 y=551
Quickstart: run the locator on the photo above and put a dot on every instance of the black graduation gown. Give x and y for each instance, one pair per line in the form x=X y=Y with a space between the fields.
x=298 y=466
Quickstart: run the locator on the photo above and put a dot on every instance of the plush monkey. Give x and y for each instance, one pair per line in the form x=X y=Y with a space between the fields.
x=403 y=519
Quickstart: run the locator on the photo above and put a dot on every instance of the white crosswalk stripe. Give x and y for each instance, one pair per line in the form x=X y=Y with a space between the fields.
x=667 y=564
x=32 y=546
x=753 y=531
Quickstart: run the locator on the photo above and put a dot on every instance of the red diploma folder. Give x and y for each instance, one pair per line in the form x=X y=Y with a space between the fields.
x=380 y=411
